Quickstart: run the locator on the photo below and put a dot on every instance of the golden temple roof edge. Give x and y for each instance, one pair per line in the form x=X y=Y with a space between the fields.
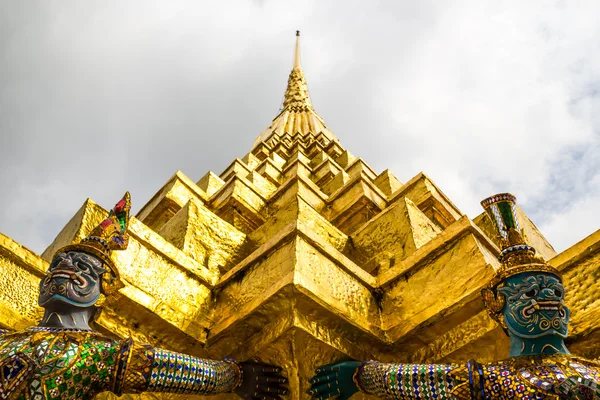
x=24 y=256
x=581 y=250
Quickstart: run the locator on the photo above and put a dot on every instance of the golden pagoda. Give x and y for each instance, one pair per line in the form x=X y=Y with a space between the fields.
x=300 y=254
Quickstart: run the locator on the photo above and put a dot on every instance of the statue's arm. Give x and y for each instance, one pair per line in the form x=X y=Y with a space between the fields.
x=142 y=368
x=395 y=381
x=407 y=381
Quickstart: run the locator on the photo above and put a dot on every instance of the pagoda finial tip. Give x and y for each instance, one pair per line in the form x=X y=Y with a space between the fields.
x=297 y=51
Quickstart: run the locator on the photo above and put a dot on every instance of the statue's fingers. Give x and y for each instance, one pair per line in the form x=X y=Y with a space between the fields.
x=280 y=380
x=326 y=389
x=326 y=369
x=324 y=396
x=319 y=395
x=322 y=378
x=260 y=394
x=259 y=367
x=277 y=376
x=272 y=390
x=315 y=393
x=267 y=369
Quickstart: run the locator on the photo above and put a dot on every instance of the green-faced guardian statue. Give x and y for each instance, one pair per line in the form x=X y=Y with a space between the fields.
x=526 y=297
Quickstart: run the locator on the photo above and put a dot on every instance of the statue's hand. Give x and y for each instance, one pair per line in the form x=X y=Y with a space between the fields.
x=334 y=379
x=261 y=381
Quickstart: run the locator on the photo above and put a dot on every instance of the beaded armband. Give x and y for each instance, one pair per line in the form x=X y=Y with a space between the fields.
x=133 y=368
x=179 y=373
x=142 y=368
x=356 y=376
x=238 y=370
x=405 y=381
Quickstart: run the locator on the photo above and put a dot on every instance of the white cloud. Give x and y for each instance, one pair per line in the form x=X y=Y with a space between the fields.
x=96 y=98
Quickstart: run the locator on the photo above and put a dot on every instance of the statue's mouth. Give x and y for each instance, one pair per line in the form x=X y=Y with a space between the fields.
x=75 y=276
x=543 y=306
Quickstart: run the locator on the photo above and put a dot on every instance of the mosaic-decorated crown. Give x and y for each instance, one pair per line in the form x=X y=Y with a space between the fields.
x=516 y=256
x=111 y=234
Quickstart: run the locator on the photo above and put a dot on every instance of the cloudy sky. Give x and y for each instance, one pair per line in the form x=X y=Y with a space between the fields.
x=99 y=97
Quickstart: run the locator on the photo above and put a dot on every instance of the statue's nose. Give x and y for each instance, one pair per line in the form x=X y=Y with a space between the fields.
x=548 y=294
x=66 y=262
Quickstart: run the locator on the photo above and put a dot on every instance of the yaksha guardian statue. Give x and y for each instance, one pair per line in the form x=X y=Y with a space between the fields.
x=526 y=297
x=63 y=358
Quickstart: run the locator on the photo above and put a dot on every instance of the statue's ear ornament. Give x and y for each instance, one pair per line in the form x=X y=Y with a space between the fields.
x=494 y=303
x=111 y=234
x=516 y=256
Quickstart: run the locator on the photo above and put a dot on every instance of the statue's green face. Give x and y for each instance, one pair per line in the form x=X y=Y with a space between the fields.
x=535 y=305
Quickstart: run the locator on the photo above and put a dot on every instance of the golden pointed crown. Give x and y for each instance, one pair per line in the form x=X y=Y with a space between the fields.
x=111 y=234
x=516 y=256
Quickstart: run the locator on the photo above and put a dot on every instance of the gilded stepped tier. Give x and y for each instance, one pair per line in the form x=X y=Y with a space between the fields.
x=300 y=254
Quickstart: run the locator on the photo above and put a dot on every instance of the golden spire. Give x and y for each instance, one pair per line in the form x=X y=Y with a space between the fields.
x=297 y=53
x=296 y=95
x=297 y=114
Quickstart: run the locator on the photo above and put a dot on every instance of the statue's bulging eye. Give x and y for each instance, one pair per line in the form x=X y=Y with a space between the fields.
x=558 y=293
x=82 y=266
x=530 y=293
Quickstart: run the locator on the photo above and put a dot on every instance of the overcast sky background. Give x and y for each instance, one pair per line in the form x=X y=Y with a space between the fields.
x=99 y=97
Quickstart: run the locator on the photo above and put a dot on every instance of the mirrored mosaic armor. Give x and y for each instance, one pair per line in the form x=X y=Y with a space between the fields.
x=49 y=363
